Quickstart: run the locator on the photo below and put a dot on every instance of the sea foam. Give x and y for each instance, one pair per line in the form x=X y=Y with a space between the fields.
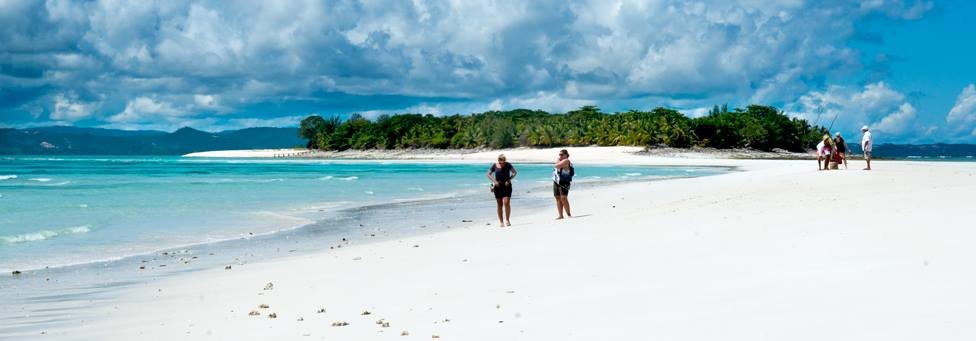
x=7 y=177
x=44 y=234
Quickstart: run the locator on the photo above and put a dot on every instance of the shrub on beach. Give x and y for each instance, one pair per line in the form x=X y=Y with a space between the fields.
x=756 y=126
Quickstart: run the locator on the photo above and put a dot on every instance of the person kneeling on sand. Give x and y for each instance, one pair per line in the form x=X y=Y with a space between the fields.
x=562 y=177
x=824 y=151
x=501 y=174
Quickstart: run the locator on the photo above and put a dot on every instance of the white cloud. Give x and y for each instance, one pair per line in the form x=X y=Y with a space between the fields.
x=205 y=101
x=68 y=108
x=897 y=122
x=962 y=117
x=877 y=105
x=548 y=54
x=145 y=110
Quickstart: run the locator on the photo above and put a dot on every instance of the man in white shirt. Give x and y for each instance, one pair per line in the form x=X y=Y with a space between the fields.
x=866 y=144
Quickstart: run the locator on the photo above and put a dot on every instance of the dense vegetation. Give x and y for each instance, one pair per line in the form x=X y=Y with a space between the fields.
x=756 y=126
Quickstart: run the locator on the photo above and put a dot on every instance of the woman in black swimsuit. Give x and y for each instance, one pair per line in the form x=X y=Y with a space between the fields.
x=501 y=174
x=841 y=148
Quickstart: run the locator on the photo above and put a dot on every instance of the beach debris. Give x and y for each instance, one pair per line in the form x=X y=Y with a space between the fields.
x=15 y=273
x=227 y=267
x=320 y=311
x=357 y=258
x=415 y=245
x=386 y=325
x=380 y=321
x=466 y=221
x=254 y=313
x=510 y=292
x=272 y=316
x=498 y=306
x=500 y=321
x=464 y=260
x=269 y=286
x=300 y=319
x=366 y=312
x=142 y=267
x=340 y=323
x=264 y=306
x=404 y=333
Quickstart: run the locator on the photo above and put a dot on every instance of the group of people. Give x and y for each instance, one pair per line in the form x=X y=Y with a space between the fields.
x=831 y=153
x=502 y=172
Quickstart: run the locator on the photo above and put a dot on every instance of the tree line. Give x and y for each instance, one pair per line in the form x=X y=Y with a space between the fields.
x=756 y=126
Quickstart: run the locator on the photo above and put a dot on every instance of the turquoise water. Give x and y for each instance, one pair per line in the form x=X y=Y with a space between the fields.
x=60 y=211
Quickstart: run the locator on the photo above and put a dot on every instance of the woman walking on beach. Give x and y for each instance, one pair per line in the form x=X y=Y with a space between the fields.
x=501 y=174
x=562 y=177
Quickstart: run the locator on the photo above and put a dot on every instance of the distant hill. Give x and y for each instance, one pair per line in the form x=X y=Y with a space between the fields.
x=922 y=151
x=98 y=141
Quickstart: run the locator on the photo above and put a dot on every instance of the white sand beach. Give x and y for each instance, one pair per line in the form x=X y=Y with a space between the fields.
x=776 y=251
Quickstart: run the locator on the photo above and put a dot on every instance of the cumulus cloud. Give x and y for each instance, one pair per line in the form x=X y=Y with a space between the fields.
x=143 y=109
x=203 y=57
x=962 y=117
x=68 y=108
x=877 y=105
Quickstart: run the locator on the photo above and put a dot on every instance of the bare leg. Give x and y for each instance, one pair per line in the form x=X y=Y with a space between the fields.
x=501 y=222
x=869 y=163
x=565 y=200
x=508 y=210
x=559 y=208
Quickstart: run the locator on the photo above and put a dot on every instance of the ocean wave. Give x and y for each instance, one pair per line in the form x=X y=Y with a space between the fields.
x=632 y=174
x=40 y=179
x=62 y=183
x=348 y=178
x=44 y=234
x=7 y=177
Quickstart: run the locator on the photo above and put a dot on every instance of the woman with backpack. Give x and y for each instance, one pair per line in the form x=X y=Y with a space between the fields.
x=562 y=177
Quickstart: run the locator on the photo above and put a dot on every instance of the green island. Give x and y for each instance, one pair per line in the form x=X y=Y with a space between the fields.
x=757 y=127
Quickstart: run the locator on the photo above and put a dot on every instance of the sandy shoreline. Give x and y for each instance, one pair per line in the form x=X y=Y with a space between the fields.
x=532 y=154
x=778 y=251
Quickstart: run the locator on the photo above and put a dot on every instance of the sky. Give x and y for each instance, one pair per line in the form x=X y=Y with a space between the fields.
x=903 y=67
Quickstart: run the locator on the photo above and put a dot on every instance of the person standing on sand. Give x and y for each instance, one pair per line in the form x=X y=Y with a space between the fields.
x=867 y=142
x=562 y=177
x=501 y=174
x=841 y=148
x=820 y=154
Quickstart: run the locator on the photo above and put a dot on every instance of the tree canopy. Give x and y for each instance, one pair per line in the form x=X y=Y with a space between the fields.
x=756 y=126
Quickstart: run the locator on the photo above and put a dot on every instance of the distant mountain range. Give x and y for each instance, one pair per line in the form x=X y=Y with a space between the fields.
x=97 y=141
x=909 y=151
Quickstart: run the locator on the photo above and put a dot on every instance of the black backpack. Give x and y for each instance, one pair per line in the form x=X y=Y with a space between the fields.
x=568 y=178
